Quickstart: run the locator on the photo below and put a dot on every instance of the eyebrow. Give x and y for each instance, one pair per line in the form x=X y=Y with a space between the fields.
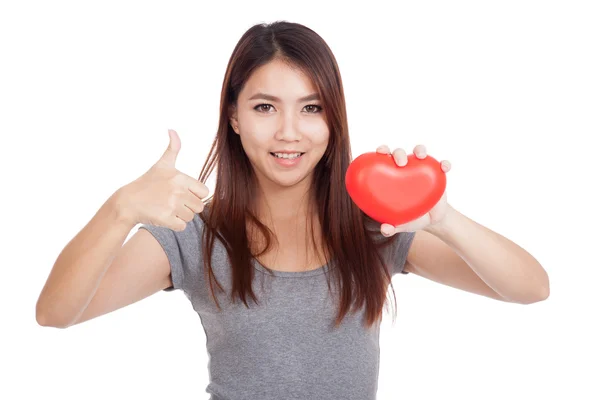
x=314 y=96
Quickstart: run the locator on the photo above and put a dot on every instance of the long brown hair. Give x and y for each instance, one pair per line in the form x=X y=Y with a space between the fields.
x=351 y=240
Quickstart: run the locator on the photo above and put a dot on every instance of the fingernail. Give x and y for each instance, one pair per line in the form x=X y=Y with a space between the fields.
x=400 y=162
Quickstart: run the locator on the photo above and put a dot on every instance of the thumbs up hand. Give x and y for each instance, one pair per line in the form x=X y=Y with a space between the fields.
x=163 y=196
x=169 y=157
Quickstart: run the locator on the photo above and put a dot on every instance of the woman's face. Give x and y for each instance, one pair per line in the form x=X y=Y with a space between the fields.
x=278 y=115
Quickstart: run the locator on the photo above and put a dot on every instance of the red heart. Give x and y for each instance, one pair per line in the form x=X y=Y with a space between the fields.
x=392 y=194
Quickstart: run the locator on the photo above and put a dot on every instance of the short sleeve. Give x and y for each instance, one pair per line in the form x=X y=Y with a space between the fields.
x=403 y=241
x=183 y=250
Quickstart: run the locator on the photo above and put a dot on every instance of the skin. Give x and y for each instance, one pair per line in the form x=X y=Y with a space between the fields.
x=285 y=124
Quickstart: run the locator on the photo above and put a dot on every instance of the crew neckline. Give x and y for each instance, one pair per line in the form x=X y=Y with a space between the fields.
x=290 y=274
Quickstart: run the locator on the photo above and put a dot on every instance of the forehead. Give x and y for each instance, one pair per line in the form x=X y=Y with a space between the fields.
x=279 y=79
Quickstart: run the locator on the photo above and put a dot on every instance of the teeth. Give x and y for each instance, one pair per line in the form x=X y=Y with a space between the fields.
x=287 y=155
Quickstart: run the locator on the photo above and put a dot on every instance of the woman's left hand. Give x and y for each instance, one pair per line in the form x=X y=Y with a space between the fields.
x=433 y=216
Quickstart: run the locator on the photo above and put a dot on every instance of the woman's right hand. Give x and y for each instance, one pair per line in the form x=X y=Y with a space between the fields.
x=163 y=196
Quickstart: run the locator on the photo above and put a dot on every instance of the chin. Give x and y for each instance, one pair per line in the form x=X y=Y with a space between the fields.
x=287 y=181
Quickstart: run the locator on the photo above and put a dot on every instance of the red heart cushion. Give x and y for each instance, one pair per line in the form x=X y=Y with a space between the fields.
x=392 y=194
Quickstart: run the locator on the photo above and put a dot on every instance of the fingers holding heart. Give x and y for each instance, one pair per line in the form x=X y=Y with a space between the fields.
x=400 y=157
x=412 y=226
x=387 y=229
x=378 y=189
x=445 y=164
x=398 y=154
x=420 y=151
x=383 y=149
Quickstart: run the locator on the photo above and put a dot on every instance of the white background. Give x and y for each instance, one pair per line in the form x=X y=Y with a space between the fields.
x=507 y=91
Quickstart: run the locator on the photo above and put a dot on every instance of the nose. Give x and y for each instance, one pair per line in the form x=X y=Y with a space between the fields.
x=287 y=130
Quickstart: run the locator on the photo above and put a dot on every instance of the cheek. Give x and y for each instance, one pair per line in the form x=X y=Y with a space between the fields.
x=254 y=143
x=316 y=131
x=256 y=132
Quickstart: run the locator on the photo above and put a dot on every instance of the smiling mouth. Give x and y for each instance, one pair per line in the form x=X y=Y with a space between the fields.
x=287 y=156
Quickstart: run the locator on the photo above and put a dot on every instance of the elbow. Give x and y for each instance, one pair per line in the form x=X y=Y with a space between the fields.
x=537 y=298
x=541 y=294
x=540 y=291
x=40 y=316
x=543 y=291
x=47 y=322
x=43 y=319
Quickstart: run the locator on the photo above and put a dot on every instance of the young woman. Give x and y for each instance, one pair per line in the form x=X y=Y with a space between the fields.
x=288 y=276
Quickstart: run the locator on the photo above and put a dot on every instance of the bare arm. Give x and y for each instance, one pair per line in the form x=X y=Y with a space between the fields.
x=96 y=272
x=140 y=269
x=433 y=259
x=466 y=255
x=82 y=283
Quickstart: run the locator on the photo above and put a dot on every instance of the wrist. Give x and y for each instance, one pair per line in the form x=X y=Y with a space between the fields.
x=120 y=209
x=446 y=224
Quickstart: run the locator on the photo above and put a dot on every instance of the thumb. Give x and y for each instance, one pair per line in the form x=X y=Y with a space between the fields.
x=170 y=155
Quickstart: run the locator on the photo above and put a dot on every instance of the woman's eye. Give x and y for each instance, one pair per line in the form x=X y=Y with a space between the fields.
x=261 y=107
x=315 y=107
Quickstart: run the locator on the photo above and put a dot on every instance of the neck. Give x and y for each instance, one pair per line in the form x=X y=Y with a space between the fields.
x=277 y=203
x=287 y=212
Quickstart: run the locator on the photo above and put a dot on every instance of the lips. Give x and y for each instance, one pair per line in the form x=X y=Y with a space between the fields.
x=287 y=152
x=287 y=158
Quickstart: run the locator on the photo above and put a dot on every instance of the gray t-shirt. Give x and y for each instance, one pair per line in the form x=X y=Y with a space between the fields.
x=286 y=346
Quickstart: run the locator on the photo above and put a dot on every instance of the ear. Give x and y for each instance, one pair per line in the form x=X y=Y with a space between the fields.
x=233 y=121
